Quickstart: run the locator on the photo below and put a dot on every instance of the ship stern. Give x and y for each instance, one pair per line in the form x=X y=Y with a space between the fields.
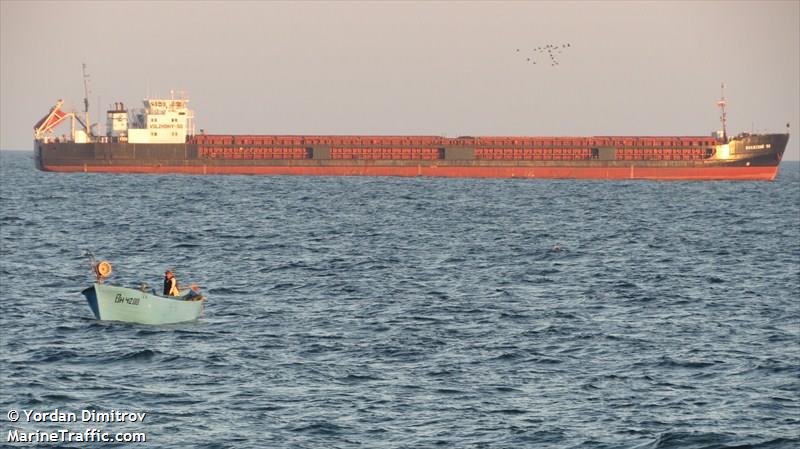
x=37 y=154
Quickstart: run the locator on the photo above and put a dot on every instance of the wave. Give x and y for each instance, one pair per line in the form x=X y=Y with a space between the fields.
x=711 y=440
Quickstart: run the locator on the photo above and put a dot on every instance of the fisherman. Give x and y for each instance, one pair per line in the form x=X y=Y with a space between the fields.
x=170 y=284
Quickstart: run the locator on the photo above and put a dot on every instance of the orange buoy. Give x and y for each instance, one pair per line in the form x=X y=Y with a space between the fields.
x=103 y=269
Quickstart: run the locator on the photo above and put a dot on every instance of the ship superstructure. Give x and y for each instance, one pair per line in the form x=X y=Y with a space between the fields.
x=160 y=121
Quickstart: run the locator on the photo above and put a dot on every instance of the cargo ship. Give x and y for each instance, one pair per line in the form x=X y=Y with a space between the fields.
x=160 y=138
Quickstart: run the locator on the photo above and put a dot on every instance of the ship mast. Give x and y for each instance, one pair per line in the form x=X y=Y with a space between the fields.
x=723 y=115
x=86 y=125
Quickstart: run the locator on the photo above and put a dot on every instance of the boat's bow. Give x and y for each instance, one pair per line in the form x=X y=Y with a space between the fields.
x=91 y=296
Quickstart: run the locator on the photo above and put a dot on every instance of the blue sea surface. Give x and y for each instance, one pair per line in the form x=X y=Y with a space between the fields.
x=348 y=312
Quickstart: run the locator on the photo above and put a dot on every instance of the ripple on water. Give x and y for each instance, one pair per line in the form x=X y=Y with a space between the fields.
x=383 y=312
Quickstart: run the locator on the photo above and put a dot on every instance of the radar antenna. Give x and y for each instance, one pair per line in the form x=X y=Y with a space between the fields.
x=723 y=115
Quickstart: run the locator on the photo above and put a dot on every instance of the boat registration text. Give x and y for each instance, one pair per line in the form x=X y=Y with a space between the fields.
x=132 y=301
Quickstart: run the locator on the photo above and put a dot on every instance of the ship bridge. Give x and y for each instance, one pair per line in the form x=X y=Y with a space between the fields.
x=161 y=121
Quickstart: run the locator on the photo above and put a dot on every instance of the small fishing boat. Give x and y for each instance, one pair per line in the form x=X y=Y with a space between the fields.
x=112 y=303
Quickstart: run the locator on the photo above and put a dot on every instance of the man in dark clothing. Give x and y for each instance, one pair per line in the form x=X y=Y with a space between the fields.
x=170 y=285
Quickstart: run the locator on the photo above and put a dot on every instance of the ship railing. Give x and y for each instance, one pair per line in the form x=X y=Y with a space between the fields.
x=54 y=139
x=96 y=139
x=111 y=139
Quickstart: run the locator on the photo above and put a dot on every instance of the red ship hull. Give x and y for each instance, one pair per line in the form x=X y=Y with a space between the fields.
x=754 y=173
x=746 y=157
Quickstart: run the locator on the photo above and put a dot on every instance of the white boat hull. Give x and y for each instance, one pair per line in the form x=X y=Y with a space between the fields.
x=112 y=303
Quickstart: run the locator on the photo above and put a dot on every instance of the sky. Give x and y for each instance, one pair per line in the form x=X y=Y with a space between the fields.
x=443 y=68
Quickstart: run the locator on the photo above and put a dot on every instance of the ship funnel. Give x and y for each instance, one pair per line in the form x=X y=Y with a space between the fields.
x=117 y=121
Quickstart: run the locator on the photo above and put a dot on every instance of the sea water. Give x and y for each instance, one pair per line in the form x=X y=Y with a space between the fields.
x=347 y=312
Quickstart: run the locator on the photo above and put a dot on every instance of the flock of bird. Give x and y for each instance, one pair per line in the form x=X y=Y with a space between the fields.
x=550 y=50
